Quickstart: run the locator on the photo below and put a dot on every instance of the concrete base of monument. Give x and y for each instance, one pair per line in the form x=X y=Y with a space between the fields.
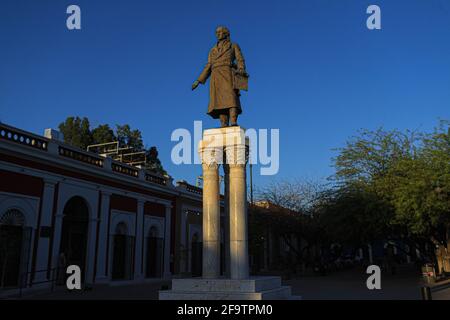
x=254 y=288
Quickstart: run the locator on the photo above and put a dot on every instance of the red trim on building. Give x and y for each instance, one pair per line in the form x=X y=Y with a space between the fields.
x=123 y=203
x=82 y=176
x=155 y=209
x=13 y=182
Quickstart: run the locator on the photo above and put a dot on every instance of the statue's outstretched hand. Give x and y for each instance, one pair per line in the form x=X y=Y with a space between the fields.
x=195 y=84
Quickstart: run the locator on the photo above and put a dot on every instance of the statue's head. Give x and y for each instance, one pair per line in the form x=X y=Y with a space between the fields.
x=222 y=33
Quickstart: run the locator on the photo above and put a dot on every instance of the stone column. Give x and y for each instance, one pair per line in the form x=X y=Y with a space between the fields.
x=183 y=242
x=211 y=221
x=226 y=239
x=92 y=232
x=211 y=154
x=238 y=223
x=46 y=222
x=167 y=233
x=101 y=276
x=370 y=253
x=236 y=155
x=57 y=230
x=408 y=255
x=138 y=275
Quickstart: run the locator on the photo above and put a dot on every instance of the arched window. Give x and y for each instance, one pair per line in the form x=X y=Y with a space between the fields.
x=155 y=252
x=74 y=237
x=121 y=229
x=13 y=217
x=153 y=232
x=123 y=248
x=196 y=255
x=15 y=242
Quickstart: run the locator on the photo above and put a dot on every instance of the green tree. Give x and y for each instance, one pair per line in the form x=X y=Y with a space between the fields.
x=406 y=176
x=130 y=138
x=76 y=132
x=152 y=161
x=420 y=188
x=369 y=155
x=103 y=134
x=354 y=217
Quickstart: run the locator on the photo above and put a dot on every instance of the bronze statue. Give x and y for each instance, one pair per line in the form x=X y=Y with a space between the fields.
x=226 y=66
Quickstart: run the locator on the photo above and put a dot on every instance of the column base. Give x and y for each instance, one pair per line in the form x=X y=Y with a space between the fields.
x=254 y=288
x=101 y=279
x=139 y=278
x=167 y=275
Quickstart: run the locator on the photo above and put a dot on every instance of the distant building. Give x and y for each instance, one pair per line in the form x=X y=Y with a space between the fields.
x=274 y=249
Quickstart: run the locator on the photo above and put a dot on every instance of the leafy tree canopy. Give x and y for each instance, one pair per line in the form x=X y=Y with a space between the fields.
x=77 y=132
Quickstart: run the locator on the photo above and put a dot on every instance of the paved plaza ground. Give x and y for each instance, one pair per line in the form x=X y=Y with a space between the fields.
x=343 y=285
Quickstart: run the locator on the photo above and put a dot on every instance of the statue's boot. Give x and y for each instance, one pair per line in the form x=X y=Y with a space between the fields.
x=224 y=120
x=233 y=116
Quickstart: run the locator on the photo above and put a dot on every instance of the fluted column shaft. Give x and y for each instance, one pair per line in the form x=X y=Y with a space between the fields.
x=239 y=265
x=211 y=221
x=236 y=155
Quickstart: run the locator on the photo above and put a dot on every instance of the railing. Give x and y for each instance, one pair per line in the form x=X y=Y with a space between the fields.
x=24 y=283
x=19 y=137
x=194 y=189
x=62 y=150
x=155 y=179
x=76 y=155
x=190 y=188
x=129 y=171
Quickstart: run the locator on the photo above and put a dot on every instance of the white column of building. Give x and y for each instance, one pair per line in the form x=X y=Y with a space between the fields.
x=370 y=253
x=138 y=275
x=103 y=238
x=184 y=242
x=44 y=249
x=408 y=255
x=226 y=227
x=57 y=230
x=167 y=233
x=92 y=240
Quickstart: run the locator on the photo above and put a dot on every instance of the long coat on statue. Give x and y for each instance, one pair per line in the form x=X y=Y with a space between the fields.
x=222 y=58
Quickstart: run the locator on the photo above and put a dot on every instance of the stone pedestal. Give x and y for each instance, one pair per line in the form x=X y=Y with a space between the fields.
x=255 y=288
x=227 y=147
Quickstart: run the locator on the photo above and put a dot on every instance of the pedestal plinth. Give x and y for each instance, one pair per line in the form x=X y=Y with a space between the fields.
x=254 y=288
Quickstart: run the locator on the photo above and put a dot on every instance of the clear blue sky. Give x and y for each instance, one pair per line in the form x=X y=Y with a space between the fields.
x=317 y=73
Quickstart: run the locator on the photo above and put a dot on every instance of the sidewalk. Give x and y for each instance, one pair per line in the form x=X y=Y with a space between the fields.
x=351 y=285
x=343 y=285
x=140 y=291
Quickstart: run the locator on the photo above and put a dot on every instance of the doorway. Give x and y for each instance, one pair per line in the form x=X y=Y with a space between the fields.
x=155 y=249
x=74 y=236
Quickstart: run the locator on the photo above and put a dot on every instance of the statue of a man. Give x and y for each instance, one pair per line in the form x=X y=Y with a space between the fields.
x=226 y=67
